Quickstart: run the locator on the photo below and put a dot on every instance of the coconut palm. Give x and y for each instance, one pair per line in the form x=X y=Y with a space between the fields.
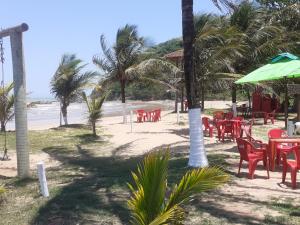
x=94 y=104
x=6 y=105
x=150 y=204
x=68 y=81
x=120 y=57
x=197 y=151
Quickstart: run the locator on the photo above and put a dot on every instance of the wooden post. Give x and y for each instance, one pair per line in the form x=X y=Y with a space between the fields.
x=20 y=105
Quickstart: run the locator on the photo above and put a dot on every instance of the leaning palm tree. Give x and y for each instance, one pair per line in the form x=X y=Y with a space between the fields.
x=198 y=156
x=68 y=81
x=6 y=105
x=120 y=57
x=94 y=105
x=150 y=203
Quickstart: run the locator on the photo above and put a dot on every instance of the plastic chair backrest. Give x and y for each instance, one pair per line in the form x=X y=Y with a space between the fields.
x=243 y=148
x=238 y=118
x=247 y=128
x=229 y=115
x=296 y=150
x=227 y=126
x=219 y=115
x=205 y=122
x=276 y=133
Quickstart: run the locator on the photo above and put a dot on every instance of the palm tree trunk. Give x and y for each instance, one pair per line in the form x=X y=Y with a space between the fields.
x=122 y=82
x=233 y=96
x=298 y=107
x=64 y=113
x=202 y=96
x=197 y=156
x=2 y=126
x=176 y=101
x=94 y=128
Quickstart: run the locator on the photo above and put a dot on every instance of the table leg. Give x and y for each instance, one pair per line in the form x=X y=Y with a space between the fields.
x=272 y=145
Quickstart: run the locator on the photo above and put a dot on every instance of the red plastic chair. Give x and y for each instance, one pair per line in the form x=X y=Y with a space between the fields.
x=156 y=115
x=218 y=115
x=269 y=116
x=280 y=148
x=228 y=116
x=226 y=127
x=292 y=165
x=207 y=126
x=251 y=154
x=140 y=115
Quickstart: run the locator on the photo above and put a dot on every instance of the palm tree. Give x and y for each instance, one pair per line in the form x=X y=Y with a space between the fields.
x=68 y=81
x=149 y=203
x=6 y=105
x=94 y=105
x=120 y=57
x=197 y=151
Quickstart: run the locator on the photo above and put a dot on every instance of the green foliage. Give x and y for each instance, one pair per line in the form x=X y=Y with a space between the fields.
x=277 y=4
x=165 y=47
x=94 y=105
x=6 y=105
x=149 y=203
x=69 y=80
x=119 y=57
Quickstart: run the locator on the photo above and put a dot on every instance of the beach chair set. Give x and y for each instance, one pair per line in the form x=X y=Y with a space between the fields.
x=148 y=116
x=281 y=150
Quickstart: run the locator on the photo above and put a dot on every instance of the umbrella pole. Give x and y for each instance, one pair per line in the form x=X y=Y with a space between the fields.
x=286 y=103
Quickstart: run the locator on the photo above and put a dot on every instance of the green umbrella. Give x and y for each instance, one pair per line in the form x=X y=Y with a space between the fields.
x=285 y=65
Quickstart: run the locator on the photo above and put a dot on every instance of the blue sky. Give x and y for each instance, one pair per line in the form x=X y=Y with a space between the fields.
x=65 y=26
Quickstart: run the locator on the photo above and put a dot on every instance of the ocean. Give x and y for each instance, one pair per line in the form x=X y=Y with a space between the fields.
x=46 y=114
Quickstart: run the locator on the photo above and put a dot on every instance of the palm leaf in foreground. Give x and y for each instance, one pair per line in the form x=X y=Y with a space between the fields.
x=149 y=204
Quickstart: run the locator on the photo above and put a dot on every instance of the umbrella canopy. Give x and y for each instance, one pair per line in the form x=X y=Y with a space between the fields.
x=284 y=65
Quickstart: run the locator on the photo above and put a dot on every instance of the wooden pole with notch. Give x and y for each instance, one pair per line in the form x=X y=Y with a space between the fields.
x=15 y=34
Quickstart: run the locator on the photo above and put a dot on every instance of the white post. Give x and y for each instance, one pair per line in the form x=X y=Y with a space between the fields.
x=20 y=104
x=124 y=113
x=131 y=114
x=234 y=109
x=290 y=128
x=178 y=113
x=42 y=179
x=197 y=156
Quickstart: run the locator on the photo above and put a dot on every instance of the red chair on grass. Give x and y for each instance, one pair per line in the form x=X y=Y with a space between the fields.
x=251 y=154
x=218 y=115
x=280 y=148
x=140 y=115
x=292 y=165
x=207 y=126
x=226 y=127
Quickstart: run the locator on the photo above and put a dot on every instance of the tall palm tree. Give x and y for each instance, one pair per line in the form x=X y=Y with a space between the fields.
x=68 y=82
x=6 y=105
x=94 y=105
x=150 y=203
x=197 y=151
x=120 y=57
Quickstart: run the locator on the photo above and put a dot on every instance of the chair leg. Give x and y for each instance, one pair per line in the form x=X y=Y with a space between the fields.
x=211 y=132
x=294 y=178
x=284 y=170
x=252 y=167
x=240 y=165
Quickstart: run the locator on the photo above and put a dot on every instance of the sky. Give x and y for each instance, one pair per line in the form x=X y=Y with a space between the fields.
x=64 y=26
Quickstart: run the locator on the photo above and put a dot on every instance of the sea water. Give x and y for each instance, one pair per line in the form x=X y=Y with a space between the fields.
x=46 y=113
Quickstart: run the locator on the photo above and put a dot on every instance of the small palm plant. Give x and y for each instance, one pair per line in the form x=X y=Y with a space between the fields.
x=6 y=105
x=149 y=203
x=94 y=105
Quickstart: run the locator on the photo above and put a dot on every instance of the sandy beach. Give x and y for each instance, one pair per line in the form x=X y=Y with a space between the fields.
x=237 y=197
